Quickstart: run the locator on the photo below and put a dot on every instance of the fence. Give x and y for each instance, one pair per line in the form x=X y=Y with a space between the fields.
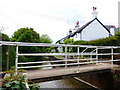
x=70 y=55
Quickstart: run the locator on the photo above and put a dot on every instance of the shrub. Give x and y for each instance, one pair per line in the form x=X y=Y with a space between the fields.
x=13 y=81
x=109 y=41
x=16 y=82
x=68 y=41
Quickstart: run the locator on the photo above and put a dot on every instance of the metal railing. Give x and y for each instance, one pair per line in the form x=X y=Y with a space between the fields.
x=72 y=55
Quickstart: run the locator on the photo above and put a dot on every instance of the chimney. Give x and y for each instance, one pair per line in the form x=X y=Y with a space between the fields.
x=95 y=13
x=70 y=31
x=77 y=25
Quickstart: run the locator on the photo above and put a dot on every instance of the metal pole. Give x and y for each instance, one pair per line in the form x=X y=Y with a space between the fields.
x=83 y=51
x=97 y=55
x=66 y=57
x=78 y=52
x=7 y=58
x=16 y=59
x=112 y=55
x=91 y=57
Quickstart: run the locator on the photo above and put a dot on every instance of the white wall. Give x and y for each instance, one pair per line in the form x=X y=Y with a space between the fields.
x=92 y=32
x=112 y=31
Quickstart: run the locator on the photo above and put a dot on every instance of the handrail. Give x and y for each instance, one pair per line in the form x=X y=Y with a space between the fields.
x=47 y=44
x=93 y=62
x=67 y=61
x=55 y=61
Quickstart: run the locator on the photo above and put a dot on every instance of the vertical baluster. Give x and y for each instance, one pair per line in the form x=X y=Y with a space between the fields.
x=96 y=55
x=66 y=56
x=16 y=60
x=112 y=55
x=91 y=57
x=78 y=53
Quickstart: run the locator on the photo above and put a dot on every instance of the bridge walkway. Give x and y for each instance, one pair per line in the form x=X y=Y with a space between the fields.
x=60 y=72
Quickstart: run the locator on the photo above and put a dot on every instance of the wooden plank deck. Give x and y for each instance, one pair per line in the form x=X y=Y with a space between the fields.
x=62 y=71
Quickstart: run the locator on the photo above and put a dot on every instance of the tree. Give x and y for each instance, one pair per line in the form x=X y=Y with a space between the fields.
x=4 y=37
x=22 y=35
x=5 y=52
x=45 y=39
x=26 y=35
x=29 y=35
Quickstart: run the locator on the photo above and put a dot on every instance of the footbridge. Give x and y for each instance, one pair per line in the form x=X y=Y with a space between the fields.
x=57 y=61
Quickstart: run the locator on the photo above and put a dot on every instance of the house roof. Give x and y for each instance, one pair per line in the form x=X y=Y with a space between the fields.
x=82 y=28
x=110 y=26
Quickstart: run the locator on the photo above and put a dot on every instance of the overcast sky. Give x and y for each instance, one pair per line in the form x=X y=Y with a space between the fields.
x=54 y=17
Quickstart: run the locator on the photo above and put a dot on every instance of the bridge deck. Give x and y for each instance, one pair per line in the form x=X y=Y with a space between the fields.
x=56 y=72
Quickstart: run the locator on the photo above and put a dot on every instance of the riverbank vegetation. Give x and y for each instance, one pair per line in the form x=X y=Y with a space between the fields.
x=13 y=81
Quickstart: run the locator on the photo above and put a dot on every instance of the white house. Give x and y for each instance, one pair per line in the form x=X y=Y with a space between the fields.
x=92 y=30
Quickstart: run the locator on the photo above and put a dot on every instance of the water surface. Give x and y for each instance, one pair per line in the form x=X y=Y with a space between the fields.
x=64 y=83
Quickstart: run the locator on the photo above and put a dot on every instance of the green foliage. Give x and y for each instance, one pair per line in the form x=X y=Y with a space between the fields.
x=52 y=49
x=115 y=77
x=14 y=81
x=109 y=41
x=4 y=37
x=45 y=39
x=10 y=56
x=26 y=35
x=29 y=35
x=15 y=85
x=23 y=35
x=117 y=36
x=68 y=41
x=34 y=87
x=3 y=54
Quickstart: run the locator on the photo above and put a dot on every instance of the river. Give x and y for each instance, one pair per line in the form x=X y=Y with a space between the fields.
x=64 y=83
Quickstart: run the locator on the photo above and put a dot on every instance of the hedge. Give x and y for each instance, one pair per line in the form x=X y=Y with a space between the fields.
x=109 y=41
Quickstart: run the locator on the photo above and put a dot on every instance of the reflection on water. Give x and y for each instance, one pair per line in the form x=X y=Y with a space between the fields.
x=64 y=83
